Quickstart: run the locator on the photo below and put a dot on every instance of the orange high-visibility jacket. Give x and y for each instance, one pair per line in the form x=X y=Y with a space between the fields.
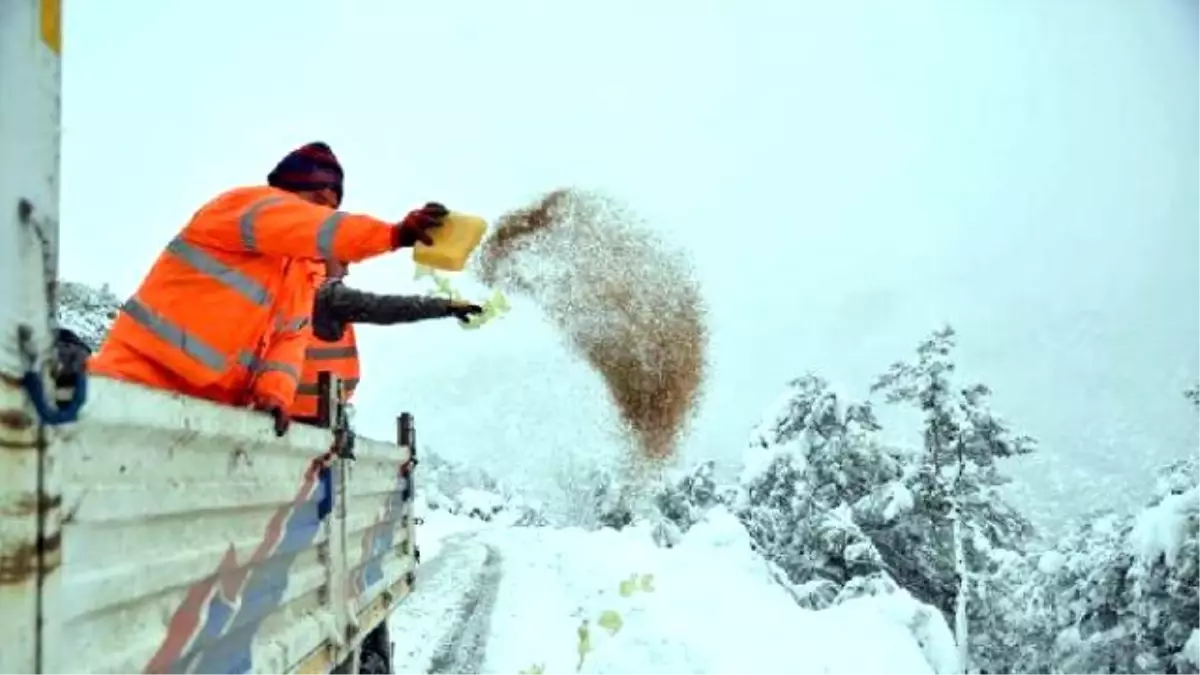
x=339 y=358
x=201 y=322
x=276 y=374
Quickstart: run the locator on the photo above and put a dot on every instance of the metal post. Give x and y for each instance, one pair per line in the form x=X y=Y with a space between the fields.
x=34 y=602
x=325 y=405
x=406 y=436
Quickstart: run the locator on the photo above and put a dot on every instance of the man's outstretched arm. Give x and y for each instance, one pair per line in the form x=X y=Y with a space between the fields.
x=337 y=305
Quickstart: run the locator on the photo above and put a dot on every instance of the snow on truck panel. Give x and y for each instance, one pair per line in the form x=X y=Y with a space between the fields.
x=199 y=542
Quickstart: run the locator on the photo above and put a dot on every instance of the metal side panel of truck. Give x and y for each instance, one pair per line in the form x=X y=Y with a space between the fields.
x=194 y=540
x=151 y=532
x=184 y=536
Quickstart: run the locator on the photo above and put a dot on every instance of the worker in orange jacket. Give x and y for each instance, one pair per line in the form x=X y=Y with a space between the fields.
x=332 y=346
x=203 y=321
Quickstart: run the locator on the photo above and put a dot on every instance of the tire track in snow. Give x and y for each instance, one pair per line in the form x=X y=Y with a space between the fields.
x=444 y=625
x=464 y=652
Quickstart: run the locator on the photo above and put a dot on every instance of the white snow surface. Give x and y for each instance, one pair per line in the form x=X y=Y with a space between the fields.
x=713 y=607
x=899 y=501
x=1191 y=650
x=474 y=501
x=1161 y=529
x=779 y=412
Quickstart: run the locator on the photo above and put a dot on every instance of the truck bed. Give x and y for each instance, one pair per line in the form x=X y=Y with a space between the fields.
x=194 y=540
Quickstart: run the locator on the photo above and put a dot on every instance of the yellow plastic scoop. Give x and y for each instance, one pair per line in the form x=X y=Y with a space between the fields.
x=453 y=242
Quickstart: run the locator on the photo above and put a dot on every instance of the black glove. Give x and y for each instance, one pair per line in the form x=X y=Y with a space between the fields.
x=72 y=356
x=278 y=413
x=463 y=311
x=416 y=224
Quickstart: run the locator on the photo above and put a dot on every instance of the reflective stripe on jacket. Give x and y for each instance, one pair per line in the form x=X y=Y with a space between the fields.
x=276 y=372
x=201 y=321
x=339 y=358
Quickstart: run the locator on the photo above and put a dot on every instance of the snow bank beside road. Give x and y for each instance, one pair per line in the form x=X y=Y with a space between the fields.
x=711 y=607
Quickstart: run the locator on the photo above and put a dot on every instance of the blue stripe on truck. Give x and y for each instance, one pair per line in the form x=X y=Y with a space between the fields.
x=213 y=629
x=214 y=626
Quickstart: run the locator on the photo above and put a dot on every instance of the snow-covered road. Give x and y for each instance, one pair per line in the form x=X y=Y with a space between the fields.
x=443 y=626
x=493 y=599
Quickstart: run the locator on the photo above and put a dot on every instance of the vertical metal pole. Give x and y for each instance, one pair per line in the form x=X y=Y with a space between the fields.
x=325 y=407
x=406 y=437
x=31 y=530
x=406 y=434
x=329 y=416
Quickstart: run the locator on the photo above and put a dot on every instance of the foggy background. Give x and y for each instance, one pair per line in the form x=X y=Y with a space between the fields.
x=847 y=176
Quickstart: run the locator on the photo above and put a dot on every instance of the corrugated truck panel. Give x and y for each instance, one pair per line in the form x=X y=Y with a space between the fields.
x=379 y=552
x=197 y=541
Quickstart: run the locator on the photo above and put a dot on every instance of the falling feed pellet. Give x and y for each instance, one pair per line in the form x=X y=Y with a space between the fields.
x=626 y=302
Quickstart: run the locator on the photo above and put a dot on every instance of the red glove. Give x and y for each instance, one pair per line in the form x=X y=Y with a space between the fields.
x=416 y=224
x=278 y=413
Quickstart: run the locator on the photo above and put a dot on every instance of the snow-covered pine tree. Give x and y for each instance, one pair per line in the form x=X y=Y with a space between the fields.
x=683 y=503
x=1164 y=580
x=1120 y=593
x=957 y=476
x=603 y=505
x=1125 y=597
x=1082 y=579
x=86 y=311
x=812 y=462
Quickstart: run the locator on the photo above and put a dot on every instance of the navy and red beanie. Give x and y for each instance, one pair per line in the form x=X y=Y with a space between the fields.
x=309 y=167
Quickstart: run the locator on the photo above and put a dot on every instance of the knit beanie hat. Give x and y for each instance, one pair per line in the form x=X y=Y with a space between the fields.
x=309 y=167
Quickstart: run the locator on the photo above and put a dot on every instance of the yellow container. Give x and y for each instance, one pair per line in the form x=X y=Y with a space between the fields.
x=453 y=242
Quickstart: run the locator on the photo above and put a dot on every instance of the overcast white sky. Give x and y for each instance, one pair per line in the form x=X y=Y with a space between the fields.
x=847 y=175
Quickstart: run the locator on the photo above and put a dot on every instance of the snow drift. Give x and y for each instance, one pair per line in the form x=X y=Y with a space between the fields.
x=707 y=605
